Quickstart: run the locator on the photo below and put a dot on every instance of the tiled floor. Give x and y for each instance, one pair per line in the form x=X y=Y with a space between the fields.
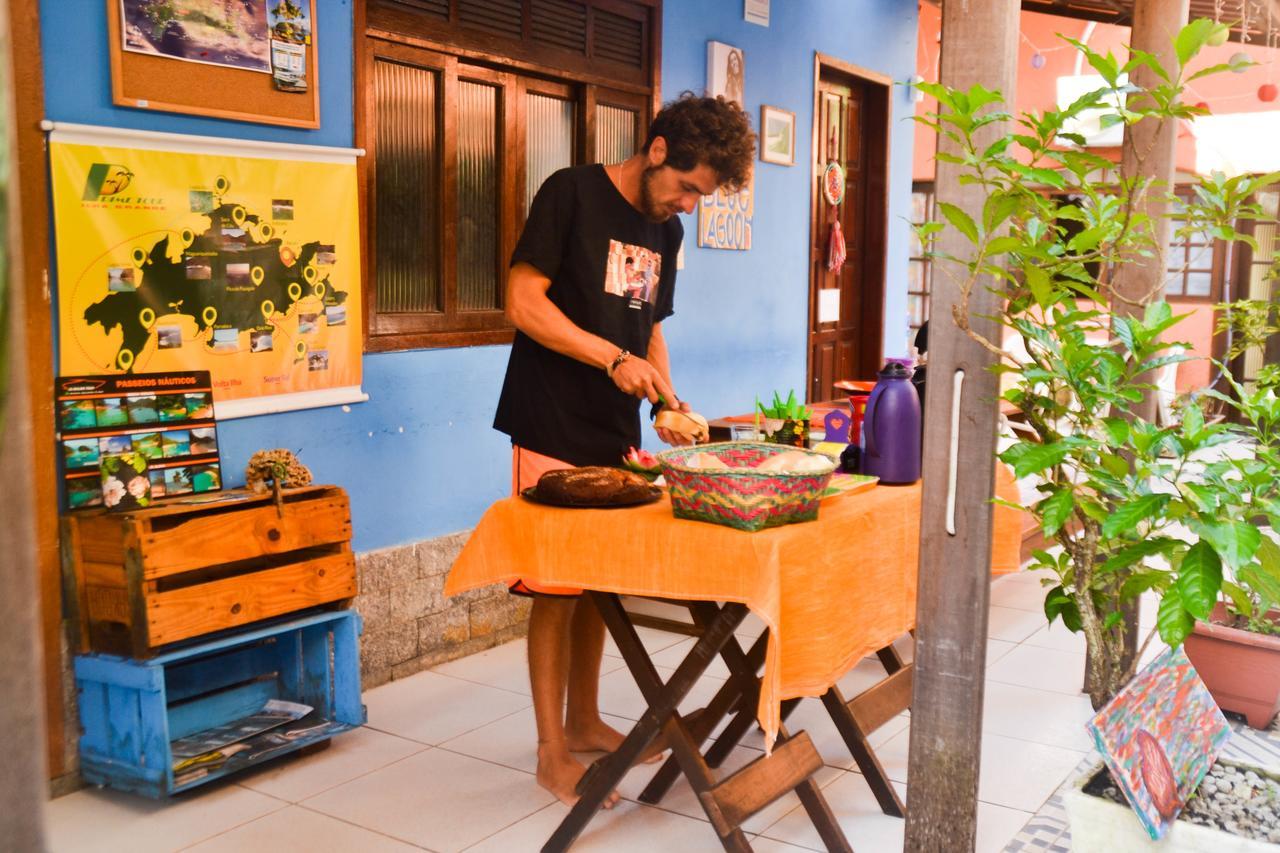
x=446 y=764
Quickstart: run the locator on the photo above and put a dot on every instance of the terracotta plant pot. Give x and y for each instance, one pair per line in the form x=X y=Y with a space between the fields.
x=1240 y=668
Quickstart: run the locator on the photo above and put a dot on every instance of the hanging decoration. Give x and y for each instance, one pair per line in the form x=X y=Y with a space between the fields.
x=836 y=250
x=833 y=183
x=1267 y=92
x=1037 y=60
x=1240 y=62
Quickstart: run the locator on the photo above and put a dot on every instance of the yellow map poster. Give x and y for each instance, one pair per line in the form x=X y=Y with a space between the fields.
x=242 y=262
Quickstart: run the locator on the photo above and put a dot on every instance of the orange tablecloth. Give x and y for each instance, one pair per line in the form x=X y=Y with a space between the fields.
x=831 y=591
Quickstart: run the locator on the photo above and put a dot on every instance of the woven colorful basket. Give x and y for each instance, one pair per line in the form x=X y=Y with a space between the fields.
x=741 y=496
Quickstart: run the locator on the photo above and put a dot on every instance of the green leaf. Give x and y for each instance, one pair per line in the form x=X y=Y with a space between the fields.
x=1239 y=598
x=1055 y=510
x=961 y=220
x=1128 y=516
x=1131 y=554
x=1189 y=41
x=1039 y=457
x=1117 y=430
x=1262 y=583
x=1235 y=541
x=1115 y=465
x=1039 y=284
x=1269 y=557
x=1058 y=603
x=1172 y=619
x=1199 y=579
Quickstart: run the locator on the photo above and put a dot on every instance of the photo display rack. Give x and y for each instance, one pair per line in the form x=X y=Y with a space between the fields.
x=166 y=417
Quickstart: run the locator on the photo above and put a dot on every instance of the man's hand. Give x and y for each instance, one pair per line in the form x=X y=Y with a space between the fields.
x=639 y=378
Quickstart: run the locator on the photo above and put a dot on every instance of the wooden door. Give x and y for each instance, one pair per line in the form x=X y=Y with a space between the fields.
x=846 y=308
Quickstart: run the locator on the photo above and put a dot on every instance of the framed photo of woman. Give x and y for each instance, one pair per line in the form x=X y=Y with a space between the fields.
x=777 y=135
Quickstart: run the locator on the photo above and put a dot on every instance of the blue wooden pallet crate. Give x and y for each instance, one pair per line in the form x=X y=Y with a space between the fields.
x=132 y=709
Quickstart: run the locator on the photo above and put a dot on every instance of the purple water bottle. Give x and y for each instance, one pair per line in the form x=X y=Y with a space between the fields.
x=891 y=428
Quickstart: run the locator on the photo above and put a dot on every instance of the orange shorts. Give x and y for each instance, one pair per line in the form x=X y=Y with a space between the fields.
x=526 y=468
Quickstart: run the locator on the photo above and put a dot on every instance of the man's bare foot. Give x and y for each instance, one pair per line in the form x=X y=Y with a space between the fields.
x=560 y=773
x=599 y=736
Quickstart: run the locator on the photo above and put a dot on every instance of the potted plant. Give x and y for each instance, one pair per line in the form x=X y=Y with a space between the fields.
x=1116 y=490
x=1237 y=648
x=785 y=422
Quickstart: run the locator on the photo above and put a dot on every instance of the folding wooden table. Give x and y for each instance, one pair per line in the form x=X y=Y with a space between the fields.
x=830 y=592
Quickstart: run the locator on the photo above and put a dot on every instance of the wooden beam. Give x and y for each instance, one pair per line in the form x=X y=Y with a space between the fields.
x=22 y=784
x=1149 y=151
x=32 y=278
x=979 y=46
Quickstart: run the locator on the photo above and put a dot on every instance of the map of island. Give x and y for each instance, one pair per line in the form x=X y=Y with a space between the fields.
x=233 y=277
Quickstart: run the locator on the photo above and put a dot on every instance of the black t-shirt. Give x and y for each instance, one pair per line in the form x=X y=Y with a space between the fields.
x=613 y=274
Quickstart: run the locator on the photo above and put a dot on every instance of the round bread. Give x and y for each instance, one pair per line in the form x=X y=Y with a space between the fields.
x=592 y=486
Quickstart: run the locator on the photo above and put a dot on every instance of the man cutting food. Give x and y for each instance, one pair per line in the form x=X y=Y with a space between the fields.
x=588 y=349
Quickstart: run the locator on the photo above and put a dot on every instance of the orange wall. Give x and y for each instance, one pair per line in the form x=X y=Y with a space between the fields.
x=1037 y=87
x=1037 y=91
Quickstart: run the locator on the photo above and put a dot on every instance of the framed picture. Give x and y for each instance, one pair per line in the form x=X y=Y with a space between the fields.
x=247 y=60
x=777 y=135
x=726 y=71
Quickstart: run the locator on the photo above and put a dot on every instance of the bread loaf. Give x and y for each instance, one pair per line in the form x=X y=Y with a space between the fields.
x=592 y=486
x=691 y=425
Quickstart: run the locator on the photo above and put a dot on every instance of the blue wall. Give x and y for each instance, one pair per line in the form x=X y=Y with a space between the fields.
x=420 y=459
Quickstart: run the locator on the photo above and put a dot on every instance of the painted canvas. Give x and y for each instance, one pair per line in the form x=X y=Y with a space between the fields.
x=1159 y=737
x=726 y=71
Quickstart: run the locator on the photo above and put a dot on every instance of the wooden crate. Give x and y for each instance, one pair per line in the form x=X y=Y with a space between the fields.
x=143 y=580
x=132 y=710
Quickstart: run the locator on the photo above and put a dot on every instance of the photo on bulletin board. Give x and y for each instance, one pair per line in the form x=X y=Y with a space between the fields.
x=726 y=71
x=212 y=32
x=249 y=60
x=777 y=136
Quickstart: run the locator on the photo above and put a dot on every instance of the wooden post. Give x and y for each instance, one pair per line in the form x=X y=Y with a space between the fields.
x=979 y=45
x=1149 y=151
x=22 y=772
x=30 y=177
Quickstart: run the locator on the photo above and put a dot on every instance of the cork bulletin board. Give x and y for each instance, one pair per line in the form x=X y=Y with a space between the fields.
x=154 y=81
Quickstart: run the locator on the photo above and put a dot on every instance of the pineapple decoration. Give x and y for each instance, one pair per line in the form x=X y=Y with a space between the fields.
x=276 y=469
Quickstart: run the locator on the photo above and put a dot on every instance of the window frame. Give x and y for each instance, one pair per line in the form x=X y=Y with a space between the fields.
x=1217 y=262
x=514 y=71
x=926 y=263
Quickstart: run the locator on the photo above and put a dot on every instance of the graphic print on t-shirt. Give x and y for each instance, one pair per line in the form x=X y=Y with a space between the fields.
x=632 y=272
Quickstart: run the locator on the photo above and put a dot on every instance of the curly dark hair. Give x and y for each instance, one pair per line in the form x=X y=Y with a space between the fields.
x=712 y=131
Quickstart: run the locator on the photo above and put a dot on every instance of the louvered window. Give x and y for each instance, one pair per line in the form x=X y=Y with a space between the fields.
x=461 y=132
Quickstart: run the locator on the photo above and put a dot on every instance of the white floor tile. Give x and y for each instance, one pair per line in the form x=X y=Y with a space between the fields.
x=996 y=649
x=1056 y=636
x=868 y=829
x=1040 y=716
x=680 y=798
x=432 y=708
x=760 y=844
x=651 y=638
x=627 y=828
x=1010 y=591
x=349 y=755
x=1012 y=625
x=620 y=696
x=105 y=821
x=513 y=741
x=997 y=826
x=436 y=799
x=672 y=656
x=298 y=830
x=1045 y=669
x=1017 y=774
x=505 y=667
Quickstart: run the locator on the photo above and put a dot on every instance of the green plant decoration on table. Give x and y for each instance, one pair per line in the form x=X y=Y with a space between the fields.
x=1131 y=502
x=793 y=420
